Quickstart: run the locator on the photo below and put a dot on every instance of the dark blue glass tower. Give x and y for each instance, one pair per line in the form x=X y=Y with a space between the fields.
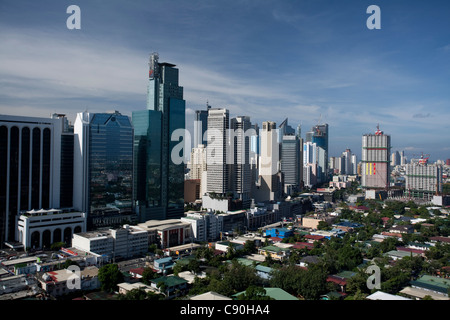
x=159 y=180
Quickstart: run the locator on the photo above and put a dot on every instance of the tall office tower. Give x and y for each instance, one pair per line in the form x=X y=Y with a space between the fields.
x=200 y=126
x=218 y=171
x=30 y=168
x=375 y=170
x=402 y=158
x=395 y=158
x=241 y=174
x=319 y=136
x=354 y=164
x=291 y=163
x=159 y=172
x=269 y=179
x=285 y=129
x=348 y=162
x=103 y=166
x=311 y=172
x=423 y=180
x=197 y=164
x=333 y=165
x=254 y=156
x=67 y=149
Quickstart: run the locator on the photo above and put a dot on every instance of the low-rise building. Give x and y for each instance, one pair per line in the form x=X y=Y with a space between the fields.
x=61 y=282
x=275 y=253
x=42 y=228
x=437 y=286
x=312 y=221
x=402 y=229
x=279 y=232
x=123 y=243
x=167 y=233
x=224 y=245
x=210 y=295
x=126 y=287
x=170 y=286
x=163 y=265
x=17 y=287
x=380 y=295
x=206 y=225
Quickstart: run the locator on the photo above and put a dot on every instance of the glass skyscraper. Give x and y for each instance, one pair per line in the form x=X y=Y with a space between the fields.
x=158 y=179
x=103 y=166
x=319 y=136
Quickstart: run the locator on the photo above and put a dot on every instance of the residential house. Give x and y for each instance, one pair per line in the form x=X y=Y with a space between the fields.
x=274 y=293
x=402 y=229
x=211 y=295
x=61 y=282
x=170 y=286
x=275 y=253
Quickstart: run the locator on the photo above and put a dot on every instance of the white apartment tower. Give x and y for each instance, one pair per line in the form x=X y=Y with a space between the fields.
x=218 y=169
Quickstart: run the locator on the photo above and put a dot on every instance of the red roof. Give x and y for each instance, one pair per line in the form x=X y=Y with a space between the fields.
x=276 y=239
x=410 y=250
x=338 y=280
x=138 y=271
x=301 y=245
x=314 y=237
x=442 y=239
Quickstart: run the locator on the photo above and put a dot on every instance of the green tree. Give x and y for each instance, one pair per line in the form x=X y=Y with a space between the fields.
x=250 y=247
x=68 y=263
x=148 y=275
x=194 y=266
x=56 y=246
x=322 y=225
x=109 y=276
x=254 y=293
x=238 y=277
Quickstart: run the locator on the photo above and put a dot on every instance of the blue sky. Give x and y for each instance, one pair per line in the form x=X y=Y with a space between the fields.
x=305 y=60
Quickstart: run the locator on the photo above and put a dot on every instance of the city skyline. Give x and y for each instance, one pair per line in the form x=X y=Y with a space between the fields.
x=308 y=61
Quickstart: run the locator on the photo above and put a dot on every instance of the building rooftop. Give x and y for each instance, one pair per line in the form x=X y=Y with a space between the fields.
x=432 y=283
x=274 y=293
x=380 y=295
x=211 y=295
x=170 y=281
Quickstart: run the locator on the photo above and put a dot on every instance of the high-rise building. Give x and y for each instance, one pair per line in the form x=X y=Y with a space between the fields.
x=197 y=164
x=201 y=126
x=291 y=163
x=423 y=180
x=30 y=168
x=395 y=159
x=158 y=171
x=269 y=177
x=241 y=174
x=311 y=171
x=375 y=169
x=348 y=162
x=218 y=168
x=103 y=166
x=402 y=158
x=319 y=136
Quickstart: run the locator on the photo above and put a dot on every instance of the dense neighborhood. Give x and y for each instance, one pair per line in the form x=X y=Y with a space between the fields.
x=324 y=254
